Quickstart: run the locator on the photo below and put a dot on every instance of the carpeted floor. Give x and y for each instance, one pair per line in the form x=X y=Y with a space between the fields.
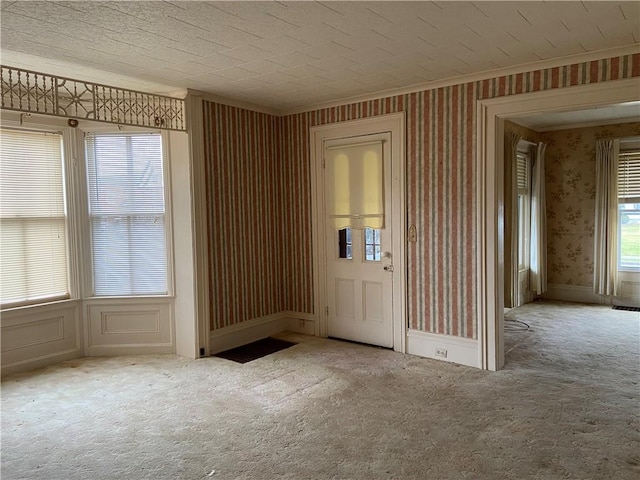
x=565 y=407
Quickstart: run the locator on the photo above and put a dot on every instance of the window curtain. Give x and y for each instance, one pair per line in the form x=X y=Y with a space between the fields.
x=538 y=250
x=511 y=220
x=605 y=269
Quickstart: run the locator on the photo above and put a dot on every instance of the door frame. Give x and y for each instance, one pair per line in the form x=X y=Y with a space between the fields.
x=491 y=114
x=395 y=124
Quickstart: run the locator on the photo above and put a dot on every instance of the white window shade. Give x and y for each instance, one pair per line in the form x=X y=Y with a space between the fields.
x=629 y=177
x=127 y=214
x=355 y=185
x=33 y=248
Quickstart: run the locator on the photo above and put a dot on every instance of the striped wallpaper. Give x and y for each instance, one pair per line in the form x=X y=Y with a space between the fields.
x=244 y=198
x=441 y=196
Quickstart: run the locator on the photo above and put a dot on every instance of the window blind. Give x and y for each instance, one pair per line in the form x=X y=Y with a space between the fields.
x=127 y=214
x=33 y=248
x=629 y=177
x=522 y=172
x=355 y=185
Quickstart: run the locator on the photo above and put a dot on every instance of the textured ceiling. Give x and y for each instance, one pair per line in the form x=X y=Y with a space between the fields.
x=597 y=115
x=284 y=56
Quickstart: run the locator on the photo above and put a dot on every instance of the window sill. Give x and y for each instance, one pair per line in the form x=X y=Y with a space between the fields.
x=55 y=303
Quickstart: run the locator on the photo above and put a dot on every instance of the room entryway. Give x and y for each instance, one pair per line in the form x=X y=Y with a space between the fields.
x=358 y=241
x=358 y=177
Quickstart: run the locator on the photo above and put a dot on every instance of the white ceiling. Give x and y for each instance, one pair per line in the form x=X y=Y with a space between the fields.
x=596 y=115
x=284 y=56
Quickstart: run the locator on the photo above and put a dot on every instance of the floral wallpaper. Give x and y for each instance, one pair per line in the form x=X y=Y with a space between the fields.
x=571 y=194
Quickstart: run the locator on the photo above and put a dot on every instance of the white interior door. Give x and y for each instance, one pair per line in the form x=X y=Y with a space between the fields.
x=359 y=263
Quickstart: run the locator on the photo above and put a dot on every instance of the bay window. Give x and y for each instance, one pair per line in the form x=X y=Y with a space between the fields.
x=80 y=226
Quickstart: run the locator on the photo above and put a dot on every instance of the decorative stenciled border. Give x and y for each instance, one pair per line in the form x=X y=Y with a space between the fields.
x=34 y=92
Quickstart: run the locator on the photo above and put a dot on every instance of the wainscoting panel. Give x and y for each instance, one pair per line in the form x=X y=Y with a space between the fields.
x=629 y=293
x=129 y=326
x=572 y=293
x=34 y=337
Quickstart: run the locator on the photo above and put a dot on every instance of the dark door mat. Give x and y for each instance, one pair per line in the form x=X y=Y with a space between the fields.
x=255 y=350
x=628 y=309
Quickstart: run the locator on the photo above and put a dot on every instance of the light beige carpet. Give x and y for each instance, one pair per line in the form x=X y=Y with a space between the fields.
x=566 y=406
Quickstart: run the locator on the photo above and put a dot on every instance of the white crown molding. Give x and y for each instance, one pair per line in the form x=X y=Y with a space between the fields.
x=210 y=97
x=487 y=74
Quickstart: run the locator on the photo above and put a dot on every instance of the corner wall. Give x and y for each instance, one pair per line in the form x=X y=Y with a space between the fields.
x=244 y=215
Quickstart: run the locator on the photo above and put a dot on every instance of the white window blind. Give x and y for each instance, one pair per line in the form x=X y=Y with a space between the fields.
x=629 y=177
x=127 y=214
x=522 y=172
x=33 y=249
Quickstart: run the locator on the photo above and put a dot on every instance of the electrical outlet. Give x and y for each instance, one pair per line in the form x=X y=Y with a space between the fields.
x=301 y=323
x=441 y=352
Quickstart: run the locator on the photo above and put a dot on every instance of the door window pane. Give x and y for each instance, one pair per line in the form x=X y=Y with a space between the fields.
x=344 y=244
x=372 y=244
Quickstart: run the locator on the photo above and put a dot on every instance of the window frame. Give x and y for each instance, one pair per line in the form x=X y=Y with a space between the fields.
x=627 y=144
x=88 y=283
x=69 y=175
x=524 y=216
x=79 y=266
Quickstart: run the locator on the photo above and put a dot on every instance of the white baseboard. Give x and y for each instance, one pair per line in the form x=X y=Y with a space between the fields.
x=258 y=328
x=458 y=350
x=301 y=322
x=572 y=293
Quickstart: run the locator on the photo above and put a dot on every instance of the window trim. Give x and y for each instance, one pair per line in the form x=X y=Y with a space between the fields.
x=87 y=247
x=78 y=245
x=628 y=144
x=524 y=220
x=69 y=162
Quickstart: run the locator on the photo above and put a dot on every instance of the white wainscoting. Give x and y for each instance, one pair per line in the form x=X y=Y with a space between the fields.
x=629 y=294
x=258 y=328
x=34 y=337
x=129 y=326
x=572 y=293
x=458 y=350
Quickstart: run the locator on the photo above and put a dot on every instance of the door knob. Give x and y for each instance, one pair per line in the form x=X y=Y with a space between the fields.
x=388 y=268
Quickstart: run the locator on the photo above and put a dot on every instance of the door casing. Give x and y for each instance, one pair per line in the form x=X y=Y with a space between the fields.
x=395 y=124
x=491 y=114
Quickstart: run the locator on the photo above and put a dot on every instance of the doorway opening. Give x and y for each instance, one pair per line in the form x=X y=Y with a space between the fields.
x=492 y=114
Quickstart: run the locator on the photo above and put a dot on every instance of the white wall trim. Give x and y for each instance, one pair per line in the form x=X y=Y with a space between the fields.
x=420 y=87
x=246 y=332
x=395 y=124
x=210 y=97
x=491 y=114
x=473 y=77
x=573 y=293
x=463 y=351
x=40 y=335
x=195 y=128
x=131 y=326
